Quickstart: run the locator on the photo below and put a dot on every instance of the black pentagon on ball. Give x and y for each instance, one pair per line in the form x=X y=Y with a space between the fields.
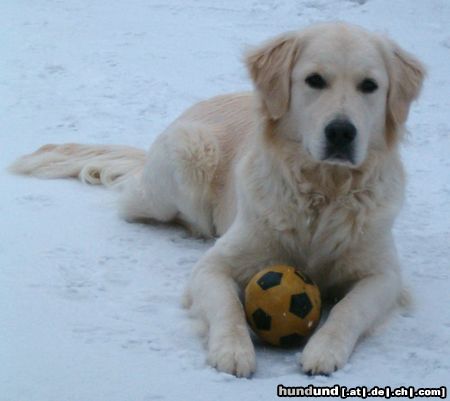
x=300 y=305
x=291 y=340
x=304 y=277
x=261 y=319
x=269 y=280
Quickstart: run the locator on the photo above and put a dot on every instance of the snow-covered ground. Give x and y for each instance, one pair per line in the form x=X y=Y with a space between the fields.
x=89 y=304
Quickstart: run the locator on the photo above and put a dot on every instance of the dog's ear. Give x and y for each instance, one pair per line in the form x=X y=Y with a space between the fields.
x=406 y=75
x=270 y=67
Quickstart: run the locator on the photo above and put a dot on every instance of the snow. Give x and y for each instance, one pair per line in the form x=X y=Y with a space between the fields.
x=90 y=305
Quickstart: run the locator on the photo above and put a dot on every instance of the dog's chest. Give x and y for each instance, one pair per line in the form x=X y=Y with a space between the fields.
x=315 y=228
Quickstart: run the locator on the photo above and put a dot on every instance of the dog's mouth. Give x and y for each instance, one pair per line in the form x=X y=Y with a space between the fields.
x=341 y=156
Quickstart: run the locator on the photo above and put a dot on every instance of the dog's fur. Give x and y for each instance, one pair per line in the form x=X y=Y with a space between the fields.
x=250 y=168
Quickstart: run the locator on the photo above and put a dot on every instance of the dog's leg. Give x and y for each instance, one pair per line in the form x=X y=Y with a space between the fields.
x=215 y=296
x=367 y=302
x=215 y=299
x=175 y=183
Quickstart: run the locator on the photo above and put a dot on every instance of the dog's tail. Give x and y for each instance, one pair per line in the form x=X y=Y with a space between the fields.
x=95 y=164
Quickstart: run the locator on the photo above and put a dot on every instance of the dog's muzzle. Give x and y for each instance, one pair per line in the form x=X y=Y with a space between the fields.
x=340 y=137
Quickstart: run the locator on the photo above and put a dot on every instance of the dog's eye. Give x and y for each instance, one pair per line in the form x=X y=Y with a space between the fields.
x=368 y=86
x=316 y=81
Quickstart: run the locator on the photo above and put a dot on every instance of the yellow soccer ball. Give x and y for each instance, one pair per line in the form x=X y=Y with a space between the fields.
x=282 y=305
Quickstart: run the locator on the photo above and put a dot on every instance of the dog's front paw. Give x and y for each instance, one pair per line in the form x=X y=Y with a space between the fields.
x=232 y=353
x=324 y=353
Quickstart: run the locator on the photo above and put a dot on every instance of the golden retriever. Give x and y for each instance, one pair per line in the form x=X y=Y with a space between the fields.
x=304 y=170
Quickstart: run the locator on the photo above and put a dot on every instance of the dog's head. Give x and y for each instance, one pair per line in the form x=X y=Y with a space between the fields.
x=337 y=89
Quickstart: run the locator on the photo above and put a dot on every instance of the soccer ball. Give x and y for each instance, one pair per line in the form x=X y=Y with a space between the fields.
x=282 y=305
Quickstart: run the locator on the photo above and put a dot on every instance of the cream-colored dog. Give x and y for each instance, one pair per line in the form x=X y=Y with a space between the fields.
x=305 y=171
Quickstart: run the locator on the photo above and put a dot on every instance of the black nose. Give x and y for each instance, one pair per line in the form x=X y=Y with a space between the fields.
x=340 y=133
